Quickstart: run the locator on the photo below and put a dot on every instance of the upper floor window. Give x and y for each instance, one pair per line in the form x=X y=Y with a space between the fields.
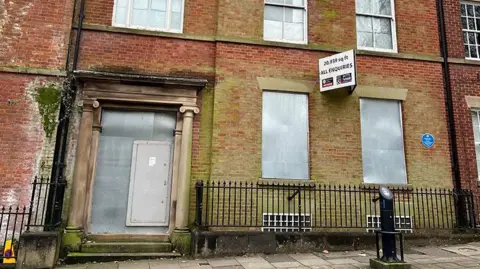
x=471 y=29
x=285 y=21
x=162 y=15
x=376 y=25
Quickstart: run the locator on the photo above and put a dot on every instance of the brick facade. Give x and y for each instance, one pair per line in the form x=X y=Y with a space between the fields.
x=222 y=41
x=34 y=38
x=464 y=82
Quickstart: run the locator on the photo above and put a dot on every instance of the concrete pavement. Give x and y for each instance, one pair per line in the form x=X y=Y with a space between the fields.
x=451 y=257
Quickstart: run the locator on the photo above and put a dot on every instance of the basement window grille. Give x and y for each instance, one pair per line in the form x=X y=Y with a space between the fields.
x=402 y=223
x=286 y=222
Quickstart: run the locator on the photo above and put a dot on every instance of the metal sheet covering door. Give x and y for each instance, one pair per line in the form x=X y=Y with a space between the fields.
x=148 y=193
x=120 y=129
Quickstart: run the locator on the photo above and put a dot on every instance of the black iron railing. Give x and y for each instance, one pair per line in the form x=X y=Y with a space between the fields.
x=38 y=216
x=12 y=225
x=316 y=207
x=46 y=203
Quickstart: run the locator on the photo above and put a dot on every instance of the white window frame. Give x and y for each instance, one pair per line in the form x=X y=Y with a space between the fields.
x=305 y=21
x=471 y=31
x=476 y=111
x=129 y=18
x=393 y=25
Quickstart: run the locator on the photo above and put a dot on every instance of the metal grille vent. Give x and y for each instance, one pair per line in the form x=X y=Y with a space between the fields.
x=286 y=222
x=402 y=223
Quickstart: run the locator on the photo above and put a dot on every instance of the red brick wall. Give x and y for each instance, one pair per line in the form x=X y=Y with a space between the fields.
x=335 y=142
x=453 y=26
x=465 y=83
x=21 y=137
x=34 y=33
x=127 y=53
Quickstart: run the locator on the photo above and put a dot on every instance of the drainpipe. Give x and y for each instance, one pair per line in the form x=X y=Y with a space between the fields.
x=55 y=197
x=461 y=213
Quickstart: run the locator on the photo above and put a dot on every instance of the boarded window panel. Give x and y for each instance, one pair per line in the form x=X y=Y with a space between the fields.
x=382 y=142
x=476 y=135
x=285 y=135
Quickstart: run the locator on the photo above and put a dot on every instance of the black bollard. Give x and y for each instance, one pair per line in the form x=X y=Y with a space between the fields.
x=387 y=224
x=389 y=258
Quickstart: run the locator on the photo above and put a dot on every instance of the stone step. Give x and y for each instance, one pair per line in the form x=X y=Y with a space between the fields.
x=128 y=238
x=82 y=257
x=126 y=247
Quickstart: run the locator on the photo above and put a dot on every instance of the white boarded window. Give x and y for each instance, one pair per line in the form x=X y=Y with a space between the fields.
x=161 y=15
x=285 y=135
x=285 y=21
x=471 y=29
x=476 y=134
x=376 y=25
x=382 y=142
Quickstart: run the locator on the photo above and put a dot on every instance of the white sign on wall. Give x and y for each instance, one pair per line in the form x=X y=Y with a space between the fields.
x=338 y=71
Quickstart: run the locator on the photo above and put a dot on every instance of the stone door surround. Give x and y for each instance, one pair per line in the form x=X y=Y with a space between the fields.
x=135 y=92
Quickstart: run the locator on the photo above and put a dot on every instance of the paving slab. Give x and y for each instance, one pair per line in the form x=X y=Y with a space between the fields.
x=341 y=255
x=321 y=267
x=314 y=262
x=424 y=261
x=279 y=258
x=343 y=261
x=465 y=250
x=426 y=266
x=435 y=252
x=164 y=265
x=75 y=266
x=449 y=265
x=415 y=256
x=469 y=263
x=344 y=266
x=257 y=265
x=229 y=267
x=286 y=264
x=223 y=262
x=134 y=265
x=304 y=256
x=102 y=266
x=250 y=259
x=192 y=263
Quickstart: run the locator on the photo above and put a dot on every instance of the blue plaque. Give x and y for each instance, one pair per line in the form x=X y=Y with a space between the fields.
x=428 y=140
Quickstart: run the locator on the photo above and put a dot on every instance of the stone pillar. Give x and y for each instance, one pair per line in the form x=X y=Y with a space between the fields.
x=74 y=229
x=181 y=235
x=96 y=130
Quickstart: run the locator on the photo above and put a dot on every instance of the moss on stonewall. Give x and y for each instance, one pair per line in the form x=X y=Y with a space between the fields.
x=48 y=98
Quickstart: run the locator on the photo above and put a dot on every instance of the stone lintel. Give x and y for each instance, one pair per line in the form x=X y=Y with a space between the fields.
x=381 y=93
x=289 y=85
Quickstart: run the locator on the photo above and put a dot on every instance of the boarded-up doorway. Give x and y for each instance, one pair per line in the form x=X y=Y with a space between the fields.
x=131 y=193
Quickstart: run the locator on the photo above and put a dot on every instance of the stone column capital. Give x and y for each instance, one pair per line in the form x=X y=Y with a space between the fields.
x=90 y=104
x=193 y=109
